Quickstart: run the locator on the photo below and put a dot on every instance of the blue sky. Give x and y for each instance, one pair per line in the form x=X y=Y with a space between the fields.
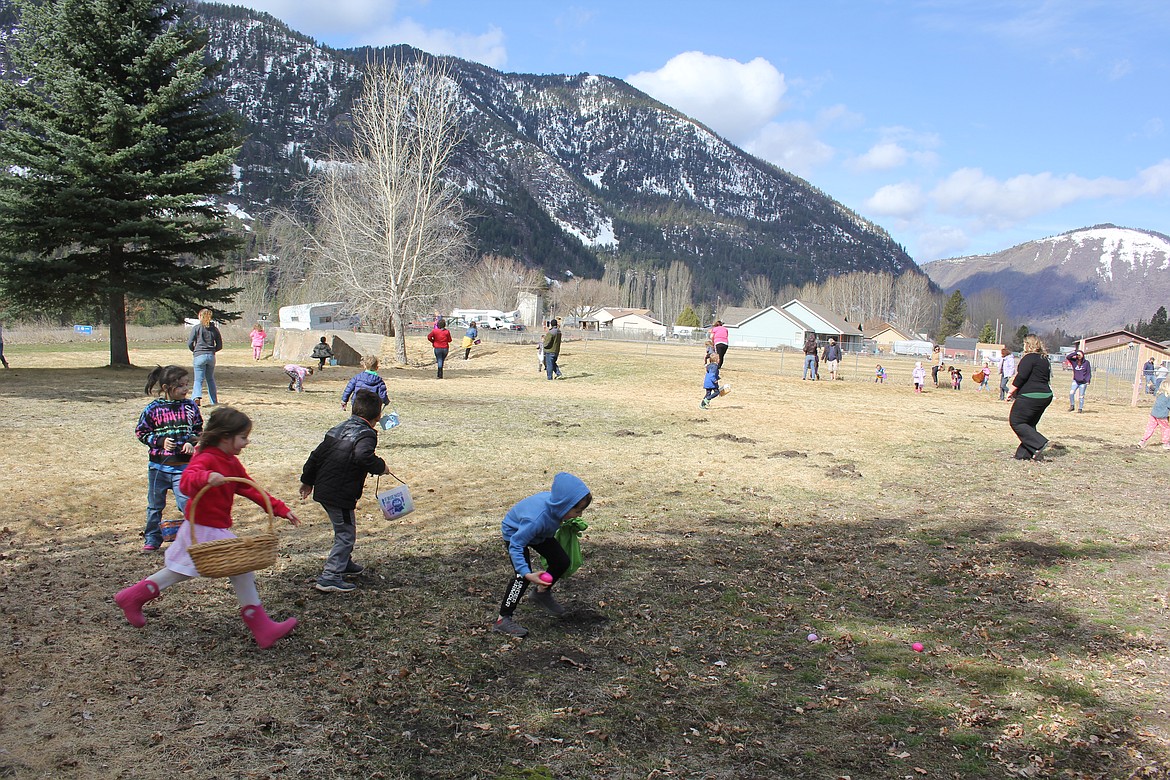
x=960 y=126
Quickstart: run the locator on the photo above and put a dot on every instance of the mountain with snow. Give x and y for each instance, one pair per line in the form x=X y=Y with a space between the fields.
x=1084 y=281
x=566 y=173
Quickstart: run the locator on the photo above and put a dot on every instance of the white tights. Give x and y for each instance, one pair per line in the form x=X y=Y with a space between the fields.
x=243 y=584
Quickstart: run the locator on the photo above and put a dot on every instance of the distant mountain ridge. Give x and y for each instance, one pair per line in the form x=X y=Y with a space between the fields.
x=565 y=173
x=1085 y=281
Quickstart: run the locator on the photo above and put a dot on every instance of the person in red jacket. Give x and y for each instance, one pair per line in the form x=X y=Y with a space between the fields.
x=224 y=437
x=440 y=339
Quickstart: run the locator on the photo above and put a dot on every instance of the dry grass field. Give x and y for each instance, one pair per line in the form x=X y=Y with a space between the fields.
x=718 y=541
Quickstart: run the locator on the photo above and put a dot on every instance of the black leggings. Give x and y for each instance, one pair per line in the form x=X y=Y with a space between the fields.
x=1024 y=417
x=558 y=564
x=721 y=350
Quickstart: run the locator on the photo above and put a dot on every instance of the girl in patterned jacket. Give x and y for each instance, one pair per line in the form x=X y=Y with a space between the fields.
x=170 y=426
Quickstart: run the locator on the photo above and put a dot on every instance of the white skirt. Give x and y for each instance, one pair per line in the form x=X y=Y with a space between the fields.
x=178 y=559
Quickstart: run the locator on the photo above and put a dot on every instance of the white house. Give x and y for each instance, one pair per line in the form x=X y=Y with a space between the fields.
x=331 y=315
x=604 y=317
x=637 y=324
x=767 y=328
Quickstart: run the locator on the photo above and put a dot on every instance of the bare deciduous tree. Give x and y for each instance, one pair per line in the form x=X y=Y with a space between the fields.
x=758 y=293
x=494 y=282
x=582 y=297
x=672 y=293
x=914 y=304
x=391 y=234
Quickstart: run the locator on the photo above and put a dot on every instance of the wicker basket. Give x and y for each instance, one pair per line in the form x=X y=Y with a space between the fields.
x=229 y=557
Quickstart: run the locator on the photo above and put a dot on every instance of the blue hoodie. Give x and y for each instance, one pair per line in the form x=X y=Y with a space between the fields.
x=366 y=380
x=536 y=518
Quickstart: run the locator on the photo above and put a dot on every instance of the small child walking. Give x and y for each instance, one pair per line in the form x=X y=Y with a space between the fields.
x=986 y=371
x=919 y=375
x=296 y=377
x=321 y=353
x=532 y=524
x=335 y=475
x=258 y=337
x=1159 y=417
x=879 y=375
x=710 y=381
x=170 y=426
x=366 y=380
x=956 y=378
x=223 y=439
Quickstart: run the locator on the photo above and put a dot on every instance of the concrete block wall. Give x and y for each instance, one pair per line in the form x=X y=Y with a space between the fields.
x=295 y=346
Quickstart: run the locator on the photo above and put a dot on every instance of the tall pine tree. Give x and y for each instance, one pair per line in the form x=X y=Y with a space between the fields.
x=111 y=148
x=953 y=314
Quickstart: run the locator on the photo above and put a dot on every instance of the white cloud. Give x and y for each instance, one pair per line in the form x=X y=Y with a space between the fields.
x=938 y=242
x=1155 y=180
x=736 y=99
x=1120 y=70
x=372 y=23
x=321 y=20
x=883 y=156
x=487 y=48
x=970 y=192
x=794 y=146
x=901 y=200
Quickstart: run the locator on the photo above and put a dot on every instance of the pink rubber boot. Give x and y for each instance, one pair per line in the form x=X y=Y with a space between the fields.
x=132 y=598
x=266 y=632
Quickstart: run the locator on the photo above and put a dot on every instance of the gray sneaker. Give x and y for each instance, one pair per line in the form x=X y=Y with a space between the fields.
x=545 y=599
x=507 y=625
x=354 y=568
x=334 y=586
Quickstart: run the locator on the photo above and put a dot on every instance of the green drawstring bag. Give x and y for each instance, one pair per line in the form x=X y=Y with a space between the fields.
x=569 y=538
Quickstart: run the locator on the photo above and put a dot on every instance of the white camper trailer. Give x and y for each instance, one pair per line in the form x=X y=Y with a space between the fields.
x=332 y=315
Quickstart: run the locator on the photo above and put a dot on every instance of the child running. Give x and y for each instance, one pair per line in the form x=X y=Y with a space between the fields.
x=532 y=524
x=321 y=353
x=879 y=375
x=335 y=475
x=1159 y=417
x=919 y=375
x=710 y=381
x=366 y=380
x=170 y=426
x=296 y=377
x=258 y=337
x=225 y=436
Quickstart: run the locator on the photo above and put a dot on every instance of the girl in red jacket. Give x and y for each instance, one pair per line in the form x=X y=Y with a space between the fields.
x=224 y=437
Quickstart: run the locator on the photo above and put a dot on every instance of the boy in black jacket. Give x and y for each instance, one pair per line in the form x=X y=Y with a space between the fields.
x=335 y=475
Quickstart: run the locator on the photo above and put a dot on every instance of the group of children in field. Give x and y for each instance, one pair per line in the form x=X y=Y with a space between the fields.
x=187 y=456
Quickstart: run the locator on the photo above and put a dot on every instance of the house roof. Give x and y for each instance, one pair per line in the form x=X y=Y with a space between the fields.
x=880 y=327
x=614 y=312
x=760 y=312
x=637 y=315
x=1116 y=338
x=734 y=316
x=842 y=327
x=960 y=342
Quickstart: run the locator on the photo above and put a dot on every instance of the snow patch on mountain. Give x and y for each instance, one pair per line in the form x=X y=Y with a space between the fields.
x=1120 y=250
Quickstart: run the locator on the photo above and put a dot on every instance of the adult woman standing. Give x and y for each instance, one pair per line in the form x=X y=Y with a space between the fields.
x=719 y=337
x=440 y=339
x=1030 y=394
x=204 y=341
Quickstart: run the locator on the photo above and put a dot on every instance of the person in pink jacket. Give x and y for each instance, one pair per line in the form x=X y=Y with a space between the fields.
x=719 y=338
x=258 y=337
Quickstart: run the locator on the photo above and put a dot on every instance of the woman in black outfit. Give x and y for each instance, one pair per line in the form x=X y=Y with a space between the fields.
x=1030 y=395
